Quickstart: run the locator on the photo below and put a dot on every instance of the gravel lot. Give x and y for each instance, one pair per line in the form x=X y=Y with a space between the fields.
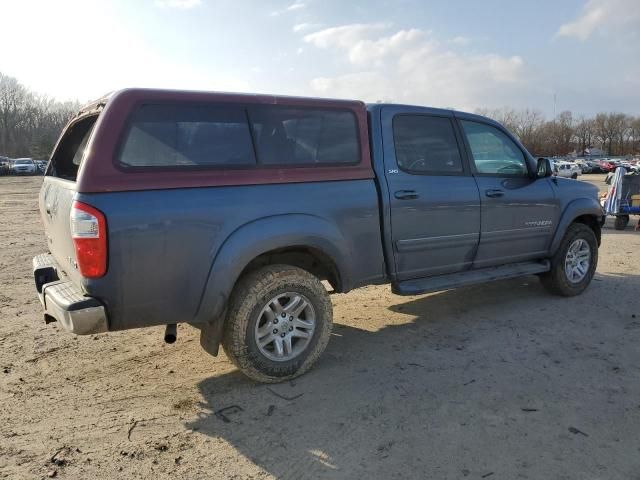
x=499 y=381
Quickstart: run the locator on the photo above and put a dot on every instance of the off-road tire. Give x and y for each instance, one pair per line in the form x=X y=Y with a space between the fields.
x=249 y=296
x=556 y=281
x=621 y=222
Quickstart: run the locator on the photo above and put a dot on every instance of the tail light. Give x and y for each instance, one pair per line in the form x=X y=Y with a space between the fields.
x=89 y=233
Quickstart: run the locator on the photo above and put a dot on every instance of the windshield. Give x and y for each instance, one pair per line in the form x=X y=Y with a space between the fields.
x=23 y=162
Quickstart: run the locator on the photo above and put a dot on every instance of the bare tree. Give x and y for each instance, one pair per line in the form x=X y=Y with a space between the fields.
x=13 y=100
x=562 y=131
x=529 y=129
x=584 y=132
x=615 y=133
x=525 y=124
x=505 y=115
x=634 y=135
x=610 y=128
x=29 y=123
x=618 y=125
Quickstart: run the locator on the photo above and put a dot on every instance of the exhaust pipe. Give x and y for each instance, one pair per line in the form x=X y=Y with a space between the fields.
x=171 y=333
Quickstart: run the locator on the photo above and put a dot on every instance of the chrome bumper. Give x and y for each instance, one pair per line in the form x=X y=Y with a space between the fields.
x=64 y=302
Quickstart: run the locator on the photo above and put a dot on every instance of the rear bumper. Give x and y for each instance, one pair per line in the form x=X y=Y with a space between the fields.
x=64 y=302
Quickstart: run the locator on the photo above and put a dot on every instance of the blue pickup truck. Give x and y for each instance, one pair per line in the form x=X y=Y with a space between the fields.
x=239 y=214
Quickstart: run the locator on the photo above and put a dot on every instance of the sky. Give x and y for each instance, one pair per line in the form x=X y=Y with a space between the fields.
x=458 y=54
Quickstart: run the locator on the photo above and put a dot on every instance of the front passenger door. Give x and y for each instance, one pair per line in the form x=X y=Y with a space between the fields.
x=519 y=211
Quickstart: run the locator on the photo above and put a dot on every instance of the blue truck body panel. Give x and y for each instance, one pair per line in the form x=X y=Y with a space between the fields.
x=175 y=255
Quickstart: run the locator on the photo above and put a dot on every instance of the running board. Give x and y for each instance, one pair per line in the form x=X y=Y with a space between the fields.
x=468 y=277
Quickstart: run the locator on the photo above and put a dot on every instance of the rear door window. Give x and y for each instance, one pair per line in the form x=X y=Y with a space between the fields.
x=426 y=145
x=304 y=136
x=188 y=136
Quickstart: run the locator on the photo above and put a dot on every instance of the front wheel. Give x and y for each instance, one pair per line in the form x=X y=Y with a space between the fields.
x=574 y=176
x=278 y=323
x=574 y=264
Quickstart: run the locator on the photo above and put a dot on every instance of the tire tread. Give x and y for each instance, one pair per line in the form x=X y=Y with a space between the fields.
x=555 y=281
x=248 y=293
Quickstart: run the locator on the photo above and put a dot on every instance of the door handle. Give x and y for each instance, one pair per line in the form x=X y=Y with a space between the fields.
x=494 y=193
x=406 y=195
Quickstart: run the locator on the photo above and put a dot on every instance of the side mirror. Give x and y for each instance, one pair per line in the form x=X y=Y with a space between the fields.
x=544 y=168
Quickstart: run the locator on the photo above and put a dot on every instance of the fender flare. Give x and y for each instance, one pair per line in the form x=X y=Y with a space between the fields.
x=576 y=208
x=263 y=235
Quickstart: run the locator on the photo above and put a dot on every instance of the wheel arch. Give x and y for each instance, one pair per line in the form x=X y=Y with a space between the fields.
x=582 y=210
x=312 y=259
x=306 y=241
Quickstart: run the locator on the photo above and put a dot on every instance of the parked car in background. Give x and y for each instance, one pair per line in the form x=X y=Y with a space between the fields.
x=567 y=170
x=584 y=166
x=227 y=211
x=24 y=166
x=41 y=165
x=595 y=166
x=5 y=166
x=628 y=166
x=606 y=165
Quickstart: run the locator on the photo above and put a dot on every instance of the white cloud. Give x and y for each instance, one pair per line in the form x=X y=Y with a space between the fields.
x=305 y=27
x=345 y=35
x=412 y=66
x=603 y=15
x=185 y=4
x=291 y=8
x=361 y=44
x=461 y=41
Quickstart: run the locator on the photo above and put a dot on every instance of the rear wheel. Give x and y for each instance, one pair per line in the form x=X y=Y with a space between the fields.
x=574 y=264
x=574 y=176
x=621 y=222
x=278 y=323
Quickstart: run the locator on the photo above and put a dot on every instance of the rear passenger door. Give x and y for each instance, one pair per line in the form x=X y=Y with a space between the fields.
x=519 y=210
x=434 y=200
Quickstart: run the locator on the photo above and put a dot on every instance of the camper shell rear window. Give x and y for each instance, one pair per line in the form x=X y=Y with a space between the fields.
x=70 y=151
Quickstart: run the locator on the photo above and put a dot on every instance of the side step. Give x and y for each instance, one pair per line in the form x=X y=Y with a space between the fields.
x=418 y=286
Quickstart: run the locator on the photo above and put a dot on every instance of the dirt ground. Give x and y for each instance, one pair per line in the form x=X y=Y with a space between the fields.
x=499 y=381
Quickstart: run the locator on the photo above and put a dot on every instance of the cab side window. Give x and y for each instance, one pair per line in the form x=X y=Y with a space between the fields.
x=493 y=152
x=426 y=145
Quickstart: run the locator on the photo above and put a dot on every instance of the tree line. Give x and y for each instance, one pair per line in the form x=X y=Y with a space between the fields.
x=30 y=124
x=616 y=134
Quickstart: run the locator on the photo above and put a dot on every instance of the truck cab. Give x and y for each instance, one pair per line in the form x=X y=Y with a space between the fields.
x=462 y=193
